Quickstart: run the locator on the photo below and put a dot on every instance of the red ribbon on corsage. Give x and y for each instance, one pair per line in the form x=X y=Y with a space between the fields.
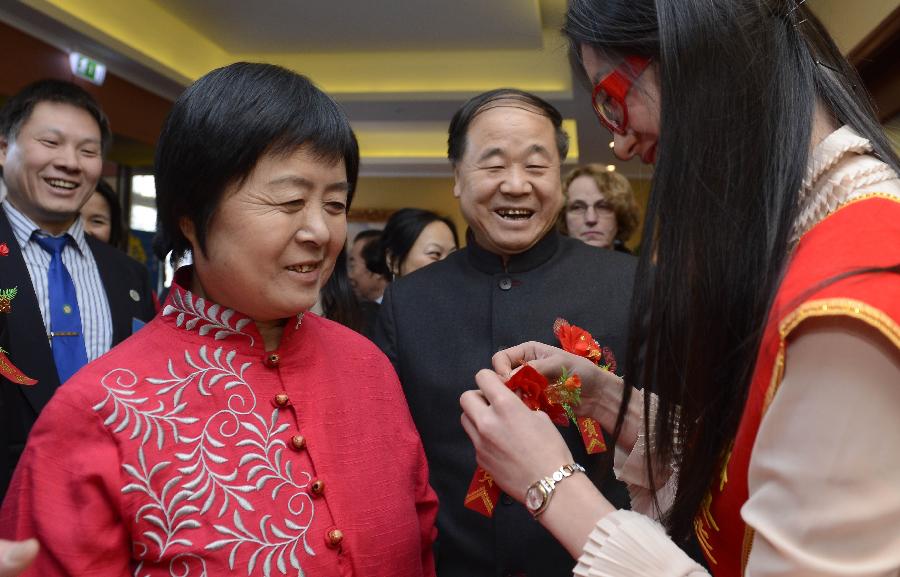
x=557 y=399
x=11 y=372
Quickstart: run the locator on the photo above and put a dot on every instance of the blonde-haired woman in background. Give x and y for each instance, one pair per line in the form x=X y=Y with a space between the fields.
x=600 y=208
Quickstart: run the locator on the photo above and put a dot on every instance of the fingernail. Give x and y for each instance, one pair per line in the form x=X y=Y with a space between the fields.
x=19 y=553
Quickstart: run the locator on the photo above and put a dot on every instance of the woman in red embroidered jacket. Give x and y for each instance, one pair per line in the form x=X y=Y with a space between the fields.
x=235 y=433
x=769 y=327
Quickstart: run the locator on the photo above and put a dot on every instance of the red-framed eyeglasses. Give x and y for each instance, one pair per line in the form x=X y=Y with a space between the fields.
x=609 y=93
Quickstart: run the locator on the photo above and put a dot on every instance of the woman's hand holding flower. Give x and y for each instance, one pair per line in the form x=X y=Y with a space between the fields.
x=515 y=444
x=601 y=390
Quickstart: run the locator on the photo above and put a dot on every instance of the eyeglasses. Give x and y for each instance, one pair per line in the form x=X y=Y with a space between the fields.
x=609 y=93
x=601 y=207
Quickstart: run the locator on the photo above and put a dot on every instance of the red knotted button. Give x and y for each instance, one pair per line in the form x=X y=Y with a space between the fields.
x=318 y=488
x=282 y=399
x=298 y=442
x=334 y=538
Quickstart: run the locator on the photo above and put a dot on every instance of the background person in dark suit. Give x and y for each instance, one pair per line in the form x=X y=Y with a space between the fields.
x=367 y=285
x=52 y=139
x=517 y=274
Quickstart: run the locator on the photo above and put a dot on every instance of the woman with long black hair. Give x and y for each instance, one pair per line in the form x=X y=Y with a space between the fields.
x=766 y=319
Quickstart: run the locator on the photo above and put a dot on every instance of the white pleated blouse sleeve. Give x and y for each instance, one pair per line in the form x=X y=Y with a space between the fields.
x=631 y=469
x=824 y=477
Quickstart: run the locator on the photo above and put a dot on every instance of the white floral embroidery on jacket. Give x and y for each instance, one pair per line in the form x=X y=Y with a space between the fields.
x=220 y=456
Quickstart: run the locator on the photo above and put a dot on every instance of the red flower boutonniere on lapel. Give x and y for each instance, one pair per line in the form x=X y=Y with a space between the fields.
x=4 y=250
x=576 y=340
x=579 y=342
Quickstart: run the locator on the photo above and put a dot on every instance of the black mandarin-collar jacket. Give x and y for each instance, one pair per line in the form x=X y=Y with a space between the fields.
x=443 y=323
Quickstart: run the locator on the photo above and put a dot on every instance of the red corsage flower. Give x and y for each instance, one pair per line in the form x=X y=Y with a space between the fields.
x=531 y=384
x=539 y=394
x=576 y=340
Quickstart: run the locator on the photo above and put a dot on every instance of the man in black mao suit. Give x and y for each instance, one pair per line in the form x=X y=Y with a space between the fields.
x=52 y=136
x=441 y=324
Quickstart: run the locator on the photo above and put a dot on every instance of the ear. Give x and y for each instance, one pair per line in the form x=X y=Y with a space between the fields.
x=187 y=229
x=392 y=264
x=457 y=187
x=4 y=147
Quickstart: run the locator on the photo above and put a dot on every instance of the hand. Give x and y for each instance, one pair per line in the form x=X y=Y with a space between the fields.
x=601 y=390
x=16 y=556
x=516 y=445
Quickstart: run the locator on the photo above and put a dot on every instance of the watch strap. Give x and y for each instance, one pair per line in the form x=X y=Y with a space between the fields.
x=547 y=485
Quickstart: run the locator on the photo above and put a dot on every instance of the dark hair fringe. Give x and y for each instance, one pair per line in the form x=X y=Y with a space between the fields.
x=739 y=84
x=221 y=126
x=462 y=119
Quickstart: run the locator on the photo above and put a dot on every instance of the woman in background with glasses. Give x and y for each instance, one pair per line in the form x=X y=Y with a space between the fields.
x=766 y=316
x=600 y=208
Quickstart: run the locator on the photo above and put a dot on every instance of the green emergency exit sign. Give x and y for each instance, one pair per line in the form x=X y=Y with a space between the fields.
x=87 y=68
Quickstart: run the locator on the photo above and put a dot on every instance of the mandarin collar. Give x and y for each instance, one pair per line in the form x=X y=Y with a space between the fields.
x=492 y=263
x=202 y=316
x=838 y=165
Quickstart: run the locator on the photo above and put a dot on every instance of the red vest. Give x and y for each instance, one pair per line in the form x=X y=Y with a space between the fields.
x=863 y=233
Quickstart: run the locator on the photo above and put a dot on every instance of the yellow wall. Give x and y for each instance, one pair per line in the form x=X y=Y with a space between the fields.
x=434 y=194
x=641 y=190
x=893 y=132
x=850 y=21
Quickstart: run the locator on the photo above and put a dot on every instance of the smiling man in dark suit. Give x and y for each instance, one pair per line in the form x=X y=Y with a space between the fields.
x=517 y=274
x=76 y=297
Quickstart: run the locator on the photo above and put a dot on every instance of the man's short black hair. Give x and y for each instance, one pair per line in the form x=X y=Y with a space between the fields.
x=17 y=110
x=367 y=235
x=459 y=126
x=221 y=126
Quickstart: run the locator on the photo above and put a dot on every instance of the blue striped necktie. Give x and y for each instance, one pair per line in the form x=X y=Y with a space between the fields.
x=66 y=336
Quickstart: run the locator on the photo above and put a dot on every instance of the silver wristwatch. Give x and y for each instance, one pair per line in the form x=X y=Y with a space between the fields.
x=537 y=497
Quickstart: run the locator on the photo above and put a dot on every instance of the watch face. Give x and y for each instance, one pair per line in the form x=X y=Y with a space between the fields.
x=534 y=498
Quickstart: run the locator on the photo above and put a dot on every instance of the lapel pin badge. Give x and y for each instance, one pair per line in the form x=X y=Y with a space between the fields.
x=134 y=295
x=4 y=250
